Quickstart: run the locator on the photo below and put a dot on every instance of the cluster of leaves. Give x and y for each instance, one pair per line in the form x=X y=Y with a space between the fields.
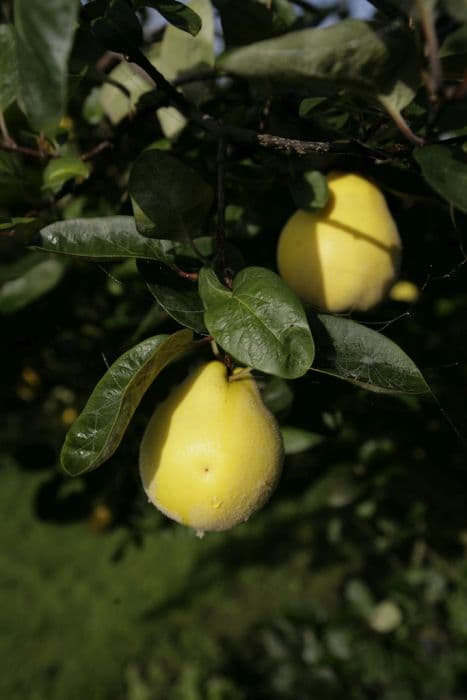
x=151 y=198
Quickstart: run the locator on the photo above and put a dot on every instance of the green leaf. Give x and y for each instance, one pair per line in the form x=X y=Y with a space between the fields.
x=28 y=280
x=170 y=194
x=59 y=170
x=350 y=351
x=351 y=53
x=177 y=296
x=106 y=238
x=44 y=35
x=99 y=429
x=117 y=102
x=176 y=13
x=276 y=394
x=310 y=190
x=260 y=321
x=118 y=29
x=246 y=21
x=445 y=170
x=297 y=440
x=8 y=67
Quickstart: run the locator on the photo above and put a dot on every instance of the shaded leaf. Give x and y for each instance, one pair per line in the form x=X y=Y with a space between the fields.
x=27 y=280
x=177 y=296
x=182 y=56
x=297 y=440
x=260 y=321
x=99 y=429
x=357 y=354
x=445 y=170
x=351 y=53
x=8 y=66
x=175 y=13
x=310 y=190
x=44 y=35
x=101 y=239
x=246 y=21
x=276 y=394
x=118 y=29
x=170 y=194
x=116 y=102
x=59 y=170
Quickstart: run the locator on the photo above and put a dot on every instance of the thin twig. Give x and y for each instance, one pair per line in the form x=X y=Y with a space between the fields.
x=400 y=122
x=193 y=276
x=103 y=146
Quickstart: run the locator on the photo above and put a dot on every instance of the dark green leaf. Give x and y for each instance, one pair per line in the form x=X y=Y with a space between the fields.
x=310 y=190
x=357 y=354
x=170 y=194
x=297 y=440
x=8 y=67
x=177 y=296
x=118 y=29
x=445 y=170
x=246 y=21
x=260 y=321
x=25 y=281
x=182 y=56
x=98 y=431
x=44 y=35
x=59 y=170
x=350 y=53
x=276 y=394
x=175 y=13
x=106 y=238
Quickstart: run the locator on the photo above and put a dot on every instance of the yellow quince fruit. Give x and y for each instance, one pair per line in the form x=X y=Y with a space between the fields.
x=212 y=453
x=345 y=256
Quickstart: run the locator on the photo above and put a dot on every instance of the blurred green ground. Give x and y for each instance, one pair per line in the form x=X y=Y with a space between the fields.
x=351 y=583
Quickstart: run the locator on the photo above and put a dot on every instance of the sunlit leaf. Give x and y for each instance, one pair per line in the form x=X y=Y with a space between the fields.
x=260 y=321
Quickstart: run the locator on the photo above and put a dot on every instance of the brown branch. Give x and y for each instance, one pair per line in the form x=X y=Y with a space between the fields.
x=435 y=76
x=193 y=276
x=13 y=147
x=103 y=146
x=220 y=235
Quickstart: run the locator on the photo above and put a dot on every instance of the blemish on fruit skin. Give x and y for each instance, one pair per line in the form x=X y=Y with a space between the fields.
x=216 y=502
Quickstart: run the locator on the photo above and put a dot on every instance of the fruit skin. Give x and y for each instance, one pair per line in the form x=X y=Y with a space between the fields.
x=345 y=256
x=212 y=453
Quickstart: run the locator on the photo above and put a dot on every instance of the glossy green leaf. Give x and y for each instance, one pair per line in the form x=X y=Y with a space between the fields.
x=357 y=354
x=99 y=429
x=170 y=194
x=445 y=170
x=310 y=190
x=8 y=66
x=27 y=280
x=60 y=170
x=176 y=13
x=44 y=35
x=297 y=440
x=106 y=238
x=260 y=321
x=350 y=53
x=177 y=296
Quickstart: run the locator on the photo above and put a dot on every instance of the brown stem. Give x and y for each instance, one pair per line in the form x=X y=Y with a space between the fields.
x=435 y=78
x=193 y=276
x=400 y=122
